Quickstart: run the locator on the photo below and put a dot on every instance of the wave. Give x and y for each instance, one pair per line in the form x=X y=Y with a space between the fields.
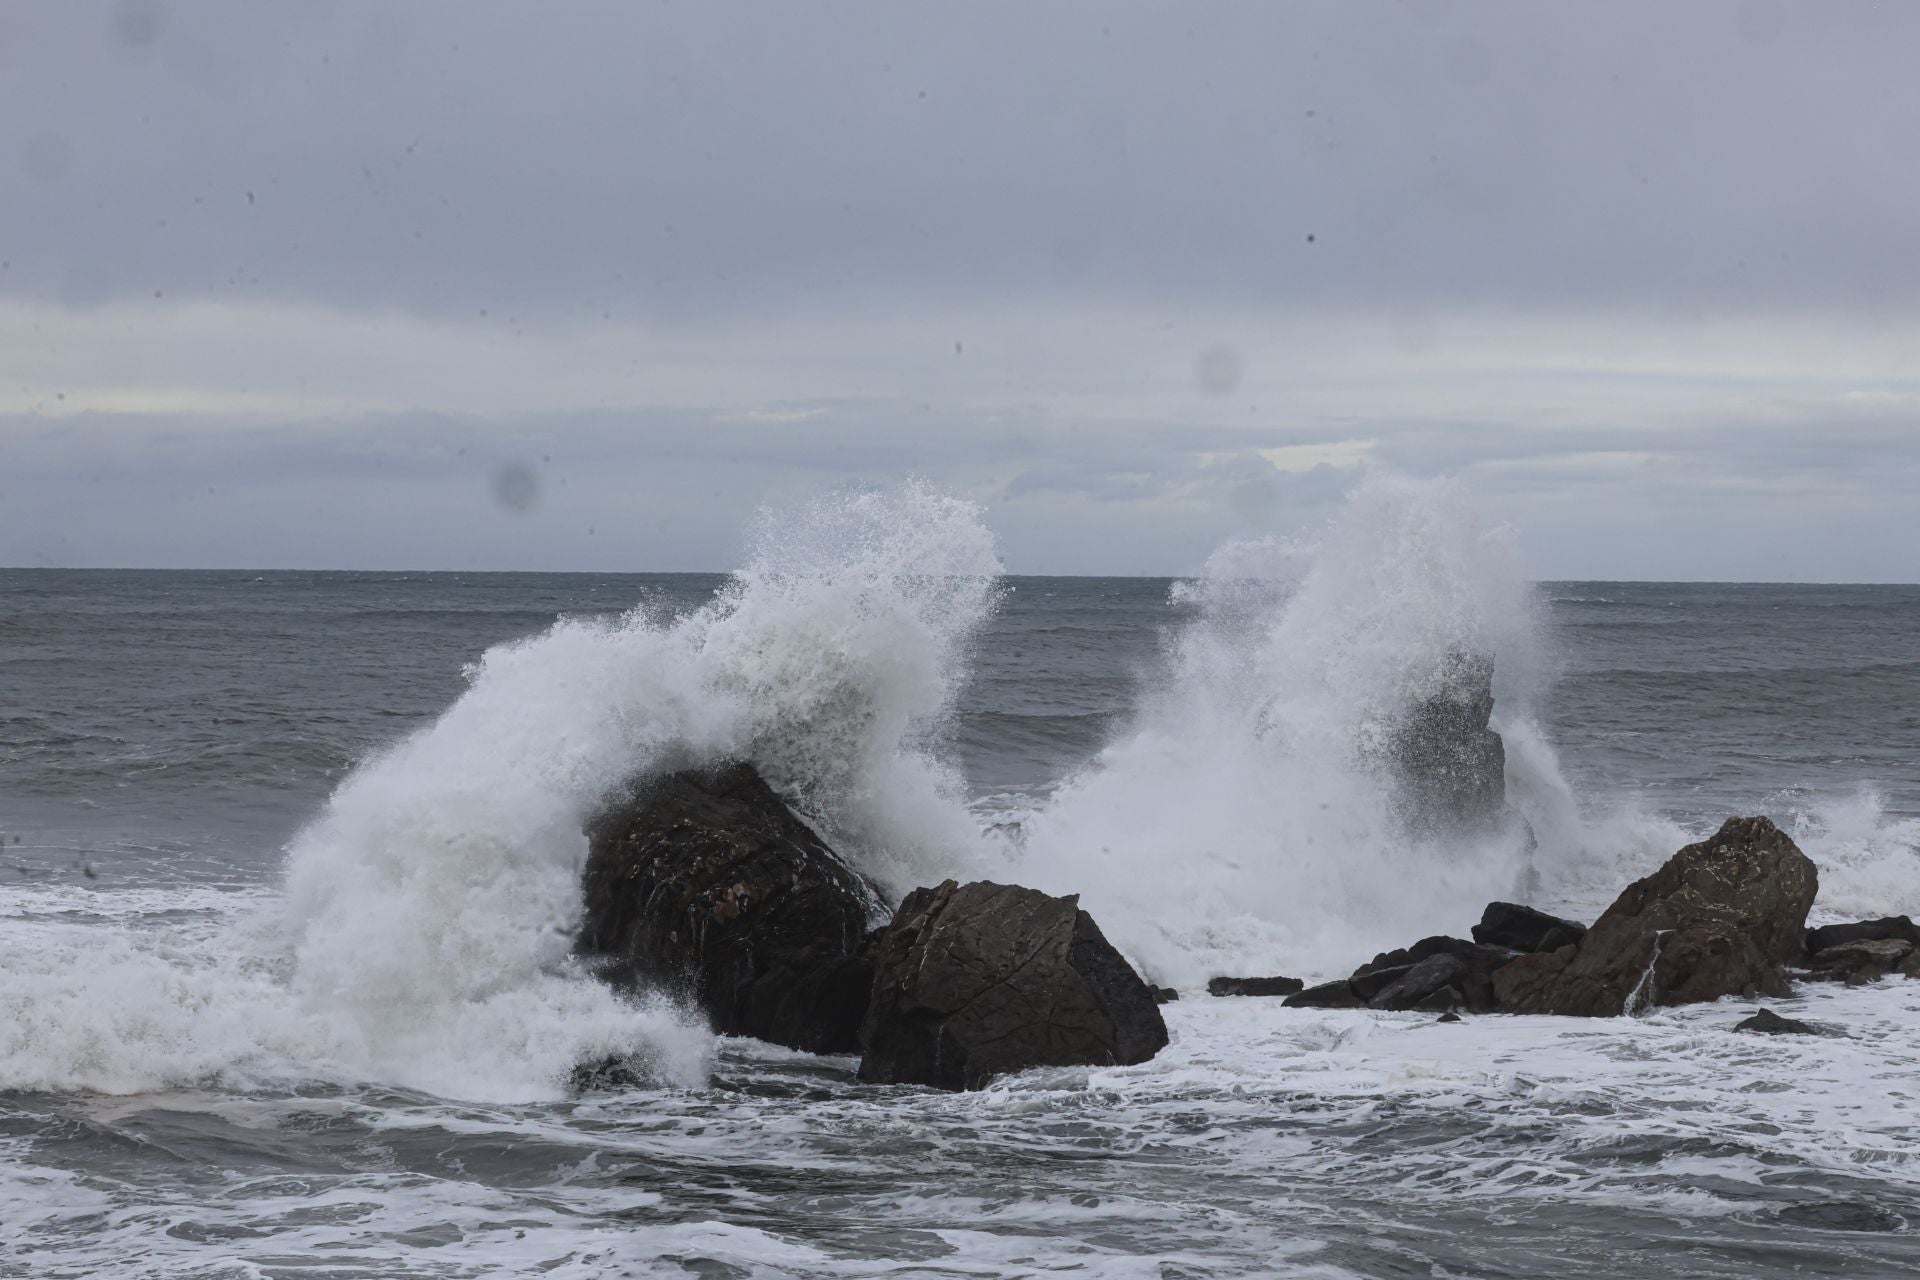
x=425 y=934
x=1247 y=822
x=1243 y=819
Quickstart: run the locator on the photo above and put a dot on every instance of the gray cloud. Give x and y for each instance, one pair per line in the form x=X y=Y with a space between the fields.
x=717 y=158
x=480 y=284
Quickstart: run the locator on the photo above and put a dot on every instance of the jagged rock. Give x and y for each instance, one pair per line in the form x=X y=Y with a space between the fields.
x=1895 y=928
x=1474 y=979
x=975 y=980
x=1518 y=928
x=1866 y=960
x=1723 y=916
x=1767 y=1022
x=1328 y=995
x=1450 y=765
x=706 y=883
x=1164 y=995
x=1254 y=986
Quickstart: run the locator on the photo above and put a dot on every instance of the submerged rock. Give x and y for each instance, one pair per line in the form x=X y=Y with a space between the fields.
x=1518 y=928
x=1767 y=1022
x=976 y=980
x=1722 y=917
x=1163 y=995
x=1254 y=986
x=706 y=883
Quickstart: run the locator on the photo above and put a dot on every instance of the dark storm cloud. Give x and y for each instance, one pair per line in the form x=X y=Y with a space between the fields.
x=709 y=159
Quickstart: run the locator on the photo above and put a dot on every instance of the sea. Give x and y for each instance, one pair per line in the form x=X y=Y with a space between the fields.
x=290 y=866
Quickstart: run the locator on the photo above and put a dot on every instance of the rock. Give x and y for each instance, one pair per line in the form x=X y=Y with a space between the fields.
x=1474 y=980
x=1163 y=995
x=1328 y=995
x=1867 y=960
x=1767 y=1022
x=1722 y=917
x=1448 y=1016
x=1518 y=928
x=706 y=883
x=975 y=980
x=1898 y=928
x=1369 y=981
x=1414 y=987
x=1254 y=986
x=1449 y=764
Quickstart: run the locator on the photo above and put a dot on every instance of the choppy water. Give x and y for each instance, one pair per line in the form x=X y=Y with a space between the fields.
x=283 y=979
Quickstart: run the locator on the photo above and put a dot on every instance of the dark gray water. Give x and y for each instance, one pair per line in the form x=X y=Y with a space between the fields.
x=164 y=735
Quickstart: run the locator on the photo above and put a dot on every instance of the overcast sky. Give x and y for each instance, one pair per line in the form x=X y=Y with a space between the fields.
x=579 y=286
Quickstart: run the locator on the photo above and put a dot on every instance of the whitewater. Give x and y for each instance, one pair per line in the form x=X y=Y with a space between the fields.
x=289 y=987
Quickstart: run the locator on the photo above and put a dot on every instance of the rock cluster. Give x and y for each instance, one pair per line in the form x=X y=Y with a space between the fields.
x=1725 y=916
x=705 y=882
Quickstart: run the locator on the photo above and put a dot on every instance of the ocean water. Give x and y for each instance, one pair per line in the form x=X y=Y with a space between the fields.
x=290 y=861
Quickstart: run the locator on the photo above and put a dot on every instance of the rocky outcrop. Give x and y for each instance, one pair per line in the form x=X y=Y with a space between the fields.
x=706 y=883
x=1518 y=928
x=975 y=980
x=1432 y=975
x=1254 y=986
x=1449 y=763
x=1885 y=929
x=1867 y=960
x=1722 y=917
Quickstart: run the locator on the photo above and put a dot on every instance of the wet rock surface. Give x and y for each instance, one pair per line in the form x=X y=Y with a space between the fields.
x=1767 y=1022
x=1721 y=917
x=975 y=980
x=704 y=882
x=1519 y=928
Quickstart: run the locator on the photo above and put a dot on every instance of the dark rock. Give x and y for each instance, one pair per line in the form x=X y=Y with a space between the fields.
x=1369 y=981
x=1164 y=995
x=1722 y=917
x=1254 y=986
x=1328 y=995
x=1889 y=928
x=975 y=980
x=1449 y=764
x=1867 y=960
x=1767 y=1022
x=1478 y=962
x=1448 y=1016
x=1518 y=928
x=1445 y=1000
x=1841 y=1215
x=1412 y=988
x=706 y=883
